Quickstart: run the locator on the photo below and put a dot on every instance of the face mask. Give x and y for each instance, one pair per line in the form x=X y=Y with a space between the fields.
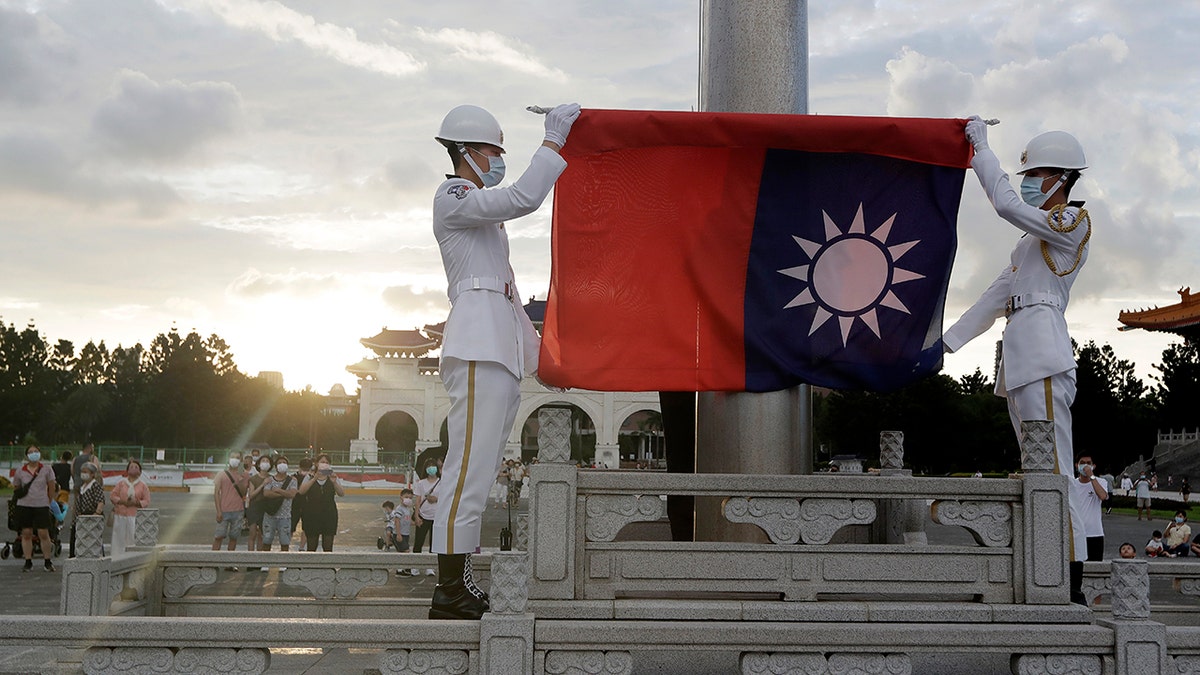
x=495 y=172
x=1031 y=190
x=265 y=466
x=1178 y=519
x=34 y=457
x=85 y=476
x=431 y=471
x=234 y=462
x=323 y=468
x=281 y=467
x=1084 y=467
x=406 y=502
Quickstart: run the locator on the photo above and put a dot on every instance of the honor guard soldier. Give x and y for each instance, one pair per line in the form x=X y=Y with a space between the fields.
x=489 y=343
x=1037 y=365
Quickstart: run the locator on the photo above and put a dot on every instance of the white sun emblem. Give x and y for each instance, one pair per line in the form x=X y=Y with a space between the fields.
x=851 y=274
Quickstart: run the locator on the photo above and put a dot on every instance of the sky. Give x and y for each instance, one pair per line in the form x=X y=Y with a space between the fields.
x=264 y=170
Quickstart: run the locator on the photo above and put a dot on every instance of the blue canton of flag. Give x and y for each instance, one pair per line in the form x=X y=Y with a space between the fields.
x=849 y=263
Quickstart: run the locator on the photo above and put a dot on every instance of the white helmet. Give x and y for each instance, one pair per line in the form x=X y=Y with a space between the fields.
x=470 y=124
x=1053 y=150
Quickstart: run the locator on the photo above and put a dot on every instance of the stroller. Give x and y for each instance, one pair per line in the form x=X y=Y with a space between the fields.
x=13 y=548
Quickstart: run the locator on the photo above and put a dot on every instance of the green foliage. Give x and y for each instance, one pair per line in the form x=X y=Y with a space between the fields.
x=963 y=426
x=184 y=391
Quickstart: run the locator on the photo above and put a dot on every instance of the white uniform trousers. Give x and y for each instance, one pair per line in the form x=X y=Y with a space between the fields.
x=484 y=397
x=1051 y=399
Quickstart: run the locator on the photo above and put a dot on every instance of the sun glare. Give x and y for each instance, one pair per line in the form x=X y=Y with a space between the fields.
x=851 y=274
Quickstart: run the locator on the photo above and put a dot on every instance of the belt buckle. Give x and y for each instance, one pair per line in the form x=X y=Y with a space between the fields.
x=508 y=291
x=1008 y=307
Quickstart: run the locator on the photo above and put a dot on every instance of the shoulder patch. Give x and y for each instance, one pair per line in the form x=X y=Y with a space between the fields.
x=459 y=191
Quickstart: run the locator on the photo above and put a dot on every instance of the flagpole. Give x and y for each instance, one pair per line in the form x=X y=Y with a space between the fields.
x=753 y=58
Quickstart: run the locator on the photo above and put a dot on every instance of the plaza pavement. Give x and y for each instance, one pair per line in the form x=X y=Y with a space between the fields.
x=187 y=518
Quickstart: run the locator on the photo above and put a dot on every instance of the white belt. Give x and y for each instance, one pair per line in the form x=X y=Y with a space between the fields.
x=1029 y=300
x=493 y=284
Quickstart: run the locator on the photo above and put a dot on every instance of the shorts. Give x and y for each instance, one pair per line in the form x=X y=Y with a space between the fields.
x=280 y=528
x=32 y=517
x=1143 y=502
x=230 y=525
x=255 y=513
x=401 y=542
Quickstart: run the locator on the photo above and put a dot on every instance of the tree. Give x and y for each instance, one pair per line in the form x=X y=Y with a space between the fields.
x=1177 y=396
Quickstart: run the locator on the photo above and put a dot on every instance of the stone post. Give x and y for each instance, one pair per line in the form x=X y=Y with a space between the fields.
x=1141 y=643
x=900 y=521
x=506 y=631
x=85 y=580
x=89 y=536
x=753 y=58
x=1044 y=530
x=521 y=536
x=145 y=528
x=552 y=509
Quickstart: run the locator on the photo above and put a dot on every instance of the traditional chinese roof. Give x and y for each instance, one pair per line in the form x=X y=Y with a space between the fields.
x=399 y=343
x=364 y=368
x=1182 y=318
x=536 y=309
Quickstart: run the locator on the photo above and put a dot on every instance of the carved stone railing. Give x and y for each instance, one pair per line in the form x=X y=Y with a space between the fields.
x=1181 y=576
x=194 y=581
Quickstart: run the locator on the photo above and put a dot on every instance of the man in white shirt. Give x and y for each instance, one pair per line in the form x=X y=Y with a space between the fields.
x=490 y=343
x=1089 y=492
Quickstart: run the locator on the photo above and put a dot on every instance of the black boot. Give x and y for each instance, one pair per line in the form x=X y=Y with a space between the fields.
x=1077 y=595
x=451 y=599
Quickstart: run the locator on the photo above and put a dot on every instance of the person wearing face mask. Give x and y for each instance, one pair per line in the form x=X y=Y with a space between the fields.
x=278 y=491
x=89 y=497
x=425 y=508
x=34 y=487
x=229 y=498
x=254 y=503
x=1176 y=536
x=1089 y=491
x=1037 y=365
x=489 y=342
x=320 y=510
x=128 y=495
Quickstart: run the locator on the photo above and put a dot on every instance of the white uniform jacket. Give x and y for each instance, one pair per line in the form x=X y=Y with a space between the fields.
x=1036 y=344
x=487 y=320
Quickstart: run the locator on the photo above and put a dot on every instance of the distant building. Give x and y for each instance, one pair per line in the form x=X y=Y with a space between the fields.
x=1182 y=318
x=400 y=381
x=272 y=377
x=337 y=403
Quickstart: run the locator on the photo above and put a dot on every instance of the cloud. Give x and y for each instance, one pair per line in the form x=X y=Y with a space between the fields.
x=926 y=86
x=416 y=300
x=145 y=119
x=491 y=48
x=31 y=47
x=254 y=283
x=282 y=24
x=30 y=162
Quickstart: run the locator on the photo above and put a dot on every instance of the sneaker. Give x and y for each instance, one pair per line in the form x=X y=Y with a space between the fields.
x=49 y=566
x=430 y=573
x=231 y=569
x=28 y=566
x=404 y=573
x=282 y=569
x=265 y=569
x=414 y=572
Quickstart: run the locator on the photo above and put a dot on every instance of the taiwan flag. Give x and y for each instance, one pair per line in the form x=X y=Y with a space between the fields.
x=746 y=252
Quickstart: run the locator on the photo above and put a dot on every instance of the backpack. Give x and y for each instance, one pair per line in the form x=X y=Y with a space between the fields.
x=271 y=505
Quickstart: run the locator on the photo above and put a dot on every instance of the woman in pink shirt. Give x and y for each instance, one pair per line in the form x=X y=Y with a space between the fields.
x=129 y=495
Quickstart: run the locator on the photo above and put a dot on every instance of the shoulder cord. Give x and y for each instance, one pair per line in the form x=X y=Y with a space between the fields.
x=1054 y=218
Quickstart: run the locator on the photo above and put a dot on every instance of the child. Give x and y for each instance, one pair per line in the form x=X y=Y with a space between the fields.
x=1154 y=547
x=400 y=520
x=1126 y=551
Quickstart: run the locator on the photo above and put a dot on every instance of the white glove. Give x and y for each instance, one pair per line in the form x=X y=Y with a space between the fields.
x=977 y=132
x=559 y=121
